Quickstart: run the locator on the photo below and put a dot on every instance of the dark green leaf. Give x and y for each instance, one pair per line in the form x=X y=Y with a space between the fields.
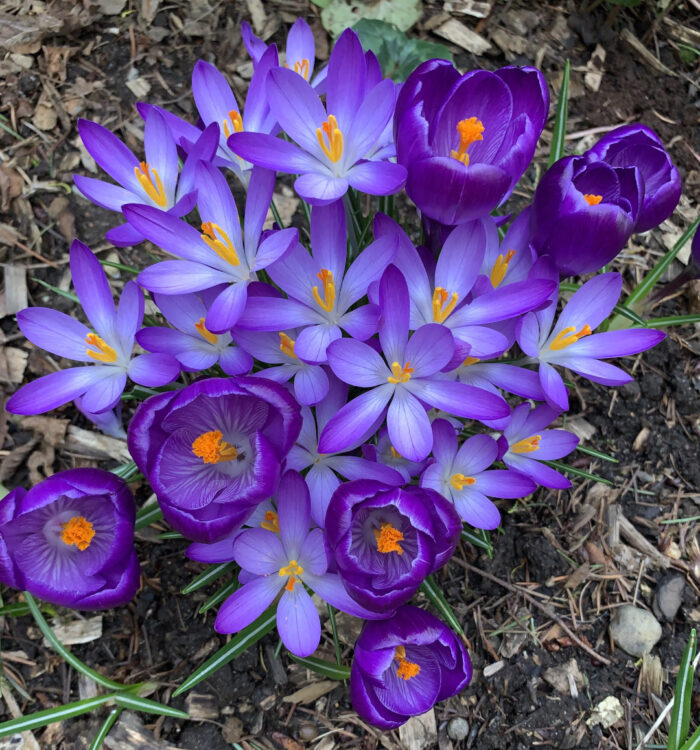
x=597 y=454
x=432 y=591
x=109 y=722
x=50 y=715
x=673 y=320
x=67 y=295
x=326 y=668
x=578 y=472
x=223 y=593
x=559 y=132
x=137 y=703
x=210 y=574
x=479 y=538
x=680 y=714
x=148 y=515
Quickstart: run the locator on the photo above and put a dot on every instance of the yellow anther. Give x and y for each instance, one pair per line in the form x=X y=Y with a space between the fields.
x=569 y=336
x=287 y=345
x=527 y=445
x=328 y=301
x=470 y=361
x=441 y=307
x=593 y=200
x=302 y=68
x=395 y=453
x=292 y=570
x=469 y=130
x=104 y=352
x=78 y=531
x=271 y=522
x=407 y=669
x=212 y=338
x=500 y=268
x=459 y=481
x=400 y=374
x=222 y=246
x=334 y=149
x=236 y=121
x=150 y=181
x=388 y=539
x=212 y=449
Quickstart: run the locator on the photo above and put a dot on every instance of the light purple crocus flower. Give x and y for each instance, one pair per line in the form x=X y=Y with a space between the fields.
x=335 y=141
x=570 y=342
x=321 y=292
x=525 y=443
x=401 y=385
x=190 y=342
x=108 y=349
x=220 y=253
x=384 y=453
x=110 y=421
x=463 y=475
x=284 y=564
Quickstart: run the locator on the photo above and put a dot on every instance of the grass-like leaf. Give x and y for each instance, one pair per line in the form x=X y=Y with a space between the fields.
x=680 y=714
x=578 y=472
x=128 y=471
x=48 y=716
x=56 y=290
x=597 y=454
x=210 y=574
x=137 y=703
x=430 y=588
x=216 y=598
x=694 y=742
x=479 y=538
x=559 y=131
x=108 y=723
x=148 y=515
x=673 y=320
x=326 y=668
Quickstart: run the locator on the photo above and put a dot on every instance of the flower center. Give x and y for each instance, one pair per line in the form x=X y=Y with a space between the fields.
x=77 y=531
x=211 y=448
x=569 y=336
x=328 y=301
x=469 y=361
x=500 y=268
x=293 y=570
x=527 y=445
x=301 y=67
x=388 y=539
x=212 y=338
x=271 y=522
x=236 y=122
x=334 y=135
x=104 y=352
x=407 y=669
x=469 y=131
x=400 y=374
x=287 y=345
x=222 y=246
x=459 y=481
x=150 y=182
x=441 y=307
x=593 y=200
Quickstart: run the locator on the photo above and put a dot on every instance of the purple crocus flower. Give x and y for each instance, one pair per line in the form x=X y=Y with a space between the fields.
x=190 y=342
x=386 y=540
x=321 y=291
x=108 y=350
x=212 y=450
x=401 y=385
x=220 y=253
x=285 y=563
x=570 y=342
x=525 y=443
x=385 y=454
x=109 y=422
x=466 y=140
x=509 y=261
x=463 y=475
x=70 y=540
x=640 y=147
x=404 y=665
x=335 y=141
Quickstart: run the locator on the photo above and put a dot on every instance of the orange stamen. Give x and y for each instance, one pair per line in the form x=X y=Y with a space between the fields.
x=212 y=449
x=469 y=131
x=458 y=481
x=334 y=149
x=292 y=570
x=271 y=522
x=222 y=247
x=527 y=445
x=470 y=361
x=500 y=268
x=150 y=181
x=328 y=300
x=593 y=200
x=407 y=669
x=105 y=352
x=441 y=307
x=287 y=345
x=388 y=539
x=568 y=336
x=77 y=531
x=236 y=121
x=212 y=338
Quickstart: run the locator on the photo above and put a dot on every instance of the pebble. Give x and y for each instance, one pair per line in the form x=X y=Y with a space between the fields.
x=457 y=729
x=668 y=597
x=308 y=732
x=634 y=630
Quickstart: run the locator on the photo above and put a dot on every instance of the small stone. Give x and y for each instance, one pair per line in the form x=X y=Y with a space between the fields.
x=607 y=712
x=634 y=630
x=458 y=729
x=668 y=597
x=308 y=731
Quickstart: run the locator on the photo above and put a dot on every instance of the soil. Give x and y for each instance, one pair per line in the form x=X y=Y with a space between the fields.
x=557 y=567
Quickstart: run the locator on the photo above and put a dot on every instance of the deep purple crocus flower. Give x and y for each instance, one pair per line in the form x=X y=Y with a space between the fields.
x=333 y=144
x=466 y=140
x=70 y=540
x=385 y=454
x=583 y=213
x=400 y=386
x=463 y=475
x=386 y=540
x=404 y=665
x=190 y=342
x=284 y=563
x=639 y=146
x=525 y=443
x=108 y=349
x=570 y=342
x=212 y=450
x=218 y=254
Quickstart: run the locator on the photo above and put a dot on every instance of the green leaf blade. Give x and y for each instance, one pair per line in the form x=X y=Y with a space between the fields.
x=559 y=131
x=680 y=714
x=430 y=588
x=326 y=668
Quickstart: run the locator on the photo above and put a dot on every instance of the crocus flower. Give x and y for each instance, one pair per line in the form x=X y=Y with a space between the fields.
x=107 y=349
x=404 y=665
x=70 y=540
x=321 y=291
x=109 y=422
x=640 y=147
x=219 y=253
x=463 y=475
x=386 y=540
x=525 y=443
x=570 y=342
x=284 y=563
x=212 y=450
x=332 y=143
x=404 y=382
x=466 y=140
x=385 y=453
x=190 y=342
x=583 y=213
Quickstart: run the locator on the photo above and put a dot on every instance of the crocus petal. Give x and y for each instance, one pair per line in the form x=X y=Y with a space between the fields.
x=377 y=177
x=275 y=314
x=161 y=152
x=362 y=322
x=235 y=361
x=271 y=152
x=597 y=371
x=367 y=268
x=129 y=315
x=444 y=441
x=370 y=120
x=322 y=484
x=540 y=473
x=180 y=276
x=616 y=343
x=330 y=588
x=124 y=235
x=477 y=510
x=105 y=194
x=461 y=400
x=320 y=189
x=528 y=334
x=110 y=153
x=311 y=344
x=310 y=385
x=329 y=239
x=259 y=551
x=503 y=483
x=105 y=393
x=211 y=92
x=356 y=363
x=55 y=332
x=92 y=288
x=592 y=303
x=462 y=255
x=55 y=389
x=227 y=308
x=274 y=247
x=429 y=349
x=394 y=304
x=294 y=512
x=555 y=444
x=409 y=426
x=346 y=81
x=248 y=603
x=153 y=370
x=555 y=392
x=297 y=622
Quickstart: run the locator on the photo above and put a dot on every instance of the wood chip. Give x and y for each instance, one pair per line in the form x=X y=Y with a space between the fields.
x=312 y=692
x=595 y=69
x=130 y=733
x=647 y=57
x=13 y=363
x=29 y=741
x=139 y=87
x=202 y=707
x=77 y=631
x=419 y=732
x=583 y=429
x=286 y=206
x=641 y=439
x=257 y=15
x=475 y=8
x=45 y=117
x=457 y=33
x=492 y=669
x=96 y=445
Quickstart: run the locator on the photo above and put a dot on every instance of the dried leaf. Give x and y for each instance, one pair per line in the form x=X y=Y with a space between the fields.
x=312 y=692
x=45 y=117
x=77 y=631
x=457 y=33
x=419 y=732
x=14 y=297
